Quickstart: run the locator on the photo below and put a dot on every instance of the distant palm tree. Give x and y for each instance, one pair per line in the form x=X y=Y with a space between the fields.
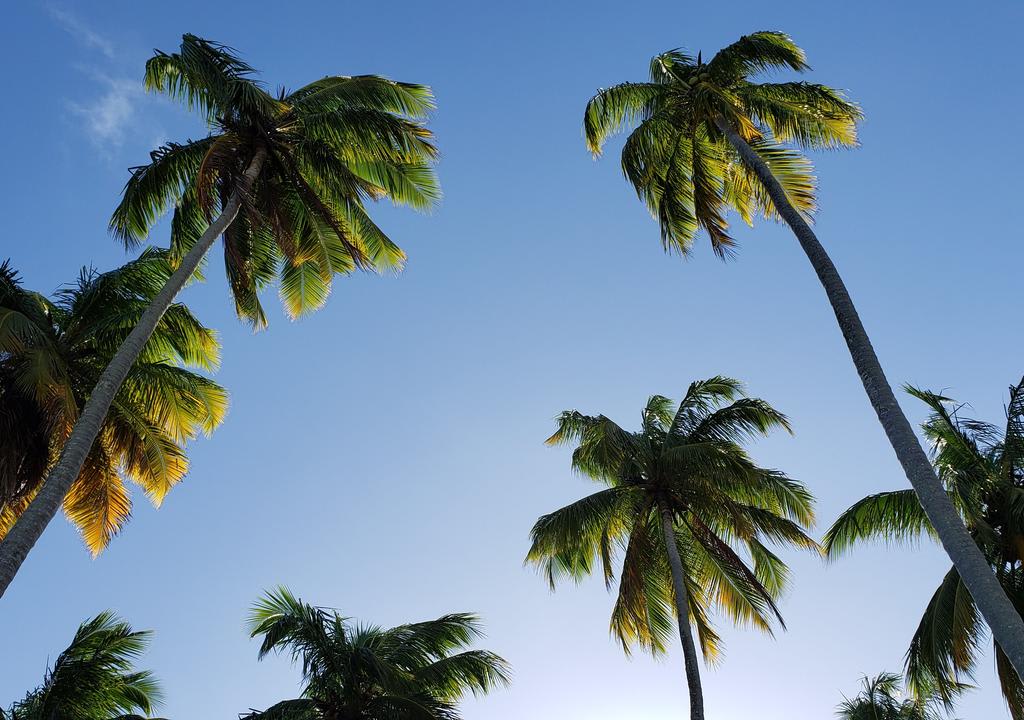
x=94 y=678
x=350 y=670
x=285 y=178
x=684 y=499
x=881 y=698
x=708 y=139
x=52 y=353
x=982 y=468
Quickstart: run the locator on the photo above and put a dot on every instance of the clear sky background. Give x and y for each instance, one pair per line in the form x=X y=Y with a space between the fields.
x=385 y=455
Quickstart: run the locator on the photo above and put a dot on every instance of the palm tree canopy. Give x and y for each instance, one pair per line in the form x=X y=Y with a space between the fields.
x=687 y=459
x=676 y=157
x=982 y=468
x=94 y=678
x=52 y=353
x=882 y=698
x=329 y=147
x=350 y=669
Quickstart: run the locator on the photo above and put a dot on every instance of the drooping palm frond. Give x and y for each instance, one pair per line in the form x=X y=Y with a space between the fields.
x=567 y=542
x=612 y=108
x=895 y=516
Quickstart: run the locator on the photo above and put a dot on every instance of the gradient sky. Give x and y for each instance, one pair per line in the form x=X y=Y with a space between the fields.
x=385 y=455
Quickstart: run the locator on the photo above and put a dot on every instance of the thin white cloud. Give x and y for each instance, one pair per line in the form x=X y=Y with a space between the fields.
x=110 y=115
x=80 y=31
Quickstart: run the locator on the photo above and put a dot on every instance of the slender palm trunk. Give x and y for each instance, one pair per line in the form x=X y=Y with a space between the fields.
x=683 y=618
x=1006 y=624
x=16 y=546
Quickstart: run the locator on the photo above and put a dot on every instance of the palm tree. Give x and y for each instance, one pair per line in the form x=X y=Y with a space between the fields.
x=982 y=468
x=350 y=670
x=51 y=354
x=94 y=678
x=285 y=178
x=684 y=500
x=881 y=698
x=709 y=139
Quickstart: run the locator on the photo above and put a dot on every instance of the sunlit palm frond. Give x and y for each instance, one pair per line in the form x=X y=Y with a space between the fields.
x=808 y=114
x=155 y=187
x=614 y=109
x=570 y=541
x=755 y=53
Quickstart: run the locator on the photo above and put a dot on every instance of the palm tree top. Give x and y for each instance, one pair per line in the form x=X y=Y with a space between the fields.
x=415 y=670
x=327 y=149
x=52 y=351
x=685 y=465
x=676 y=156
x=882 y=697
x=95 y=677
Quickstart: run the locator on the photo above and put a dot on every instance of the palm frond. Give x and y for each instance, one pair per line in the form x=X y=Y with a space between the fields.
x=895 y=516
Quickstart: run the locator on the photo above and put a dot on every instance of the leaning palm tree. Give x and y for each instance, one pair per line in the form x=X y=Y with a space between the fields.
x=882 y=698
x=982 y=468
x=52 y=353
x=285 y=179
x=410 y=672
x=684 y=502
x=709 y=139
x=94 y=678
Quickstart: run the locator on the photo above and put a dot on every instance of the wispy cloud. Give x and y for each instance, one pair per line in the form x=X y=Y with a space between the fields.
x=81 y=31
x=109 y=116
x=113 y=110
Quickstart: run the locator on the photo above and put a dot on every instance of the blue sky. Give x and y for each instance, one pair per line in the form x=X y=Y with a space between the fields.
x=385 y=455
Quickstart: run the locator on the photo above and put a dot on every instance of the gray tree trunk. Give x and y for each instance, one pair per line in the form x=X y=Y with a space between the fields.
x=15 y=547
x=1006 y=624
x=683 y=618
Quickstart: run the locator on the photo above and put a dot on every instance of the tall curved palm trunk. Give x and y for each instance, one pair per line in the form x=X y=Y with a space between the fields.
x=683 y=619
x=15 y=547
x=1006 y=624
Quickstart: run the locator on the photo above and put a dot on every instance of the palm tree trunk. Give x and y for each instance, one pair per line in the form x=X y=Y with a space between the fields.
x=17 y=544
x=683 y=618
x=1006 y=624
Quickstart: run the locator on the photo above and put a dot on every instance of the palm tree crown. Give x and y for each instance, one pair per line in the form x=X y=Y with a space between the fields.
x=351 y=670
x=687 y=462
x=51 y=354
x=676 y=156
x=94 y=678
x=881 y=698
x=323 y=151
x=982 y=468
